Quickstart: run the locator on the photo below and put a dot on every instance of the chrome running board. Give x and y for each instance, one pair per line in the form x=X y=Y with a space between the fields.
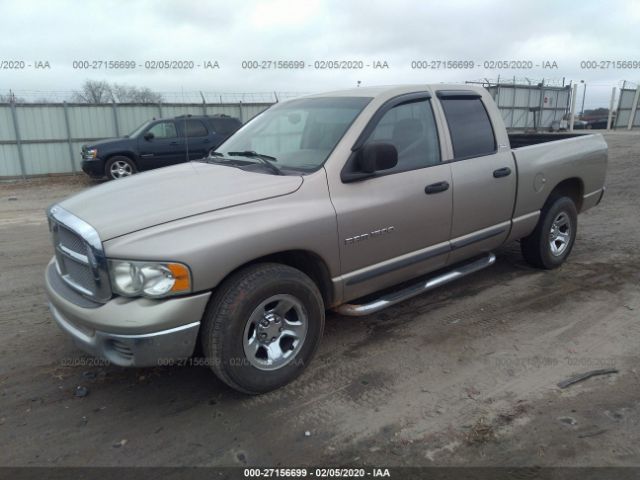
x=411 y=291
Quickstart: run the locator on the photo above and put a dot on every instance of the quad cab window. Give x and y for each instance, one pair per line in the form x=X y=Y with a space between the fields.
x=470 y=128
x=411 y=128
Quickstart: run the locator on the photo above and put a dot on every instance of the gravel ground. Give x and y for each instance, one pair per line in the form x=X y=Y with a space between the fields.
x=465 y=375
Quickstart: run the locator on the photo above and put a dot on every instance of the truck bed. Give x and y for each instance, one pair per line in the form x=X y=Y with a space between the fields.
x=545 y=160
x=519 y=140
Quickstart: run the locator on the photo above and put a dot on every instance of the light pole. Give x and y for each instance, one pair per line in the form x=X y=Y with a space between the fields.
x=584 y=94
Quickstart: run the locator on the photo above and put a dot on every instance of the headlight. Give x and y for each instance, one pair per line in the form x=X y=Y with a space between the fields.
x=149 y=279
x=91 y=153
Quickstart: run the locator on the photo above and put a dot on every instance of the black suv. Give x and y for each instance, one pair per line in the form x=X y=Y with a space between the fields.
x=157 y=143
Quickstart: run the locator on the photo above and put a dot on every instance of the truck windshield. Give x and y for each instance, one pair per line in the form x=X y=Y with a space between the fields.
x=138 y=130
x=299 y=134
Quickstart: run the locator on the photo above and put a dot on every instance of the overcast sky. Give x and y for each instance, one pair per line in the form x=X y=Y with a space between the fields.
x=395 y=31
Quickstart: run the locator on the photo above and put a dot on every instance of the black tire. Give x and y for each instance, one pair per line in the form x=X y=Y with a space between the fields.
x=110 y=171
x=537 y=248
x=227 y=326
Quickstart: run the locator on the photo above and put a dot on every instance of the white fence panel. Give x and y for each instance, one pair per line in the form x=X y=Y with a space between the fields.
x=9 y=163
x=49 y=135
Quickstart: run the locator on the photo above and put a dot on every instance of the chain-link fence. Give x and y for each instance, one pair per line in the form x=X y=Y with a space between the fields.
x=59 y=96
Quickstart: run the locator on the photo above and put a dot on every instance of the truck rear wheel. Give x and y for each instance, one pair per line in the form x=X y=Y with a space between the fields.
x=262 y=327
x=551 y=242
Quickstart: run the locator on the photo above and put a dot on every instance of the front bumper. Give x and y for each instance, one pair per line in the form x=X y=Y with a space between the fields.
x=93 y=167
x=129 y=332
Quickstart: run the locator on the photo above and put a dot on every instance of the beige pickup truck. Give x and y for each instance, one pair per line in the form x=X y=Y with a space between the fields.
x=323 y=202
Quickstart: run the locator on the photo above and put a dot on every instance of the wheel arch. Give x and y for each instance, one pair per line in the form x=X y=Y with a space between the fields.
x=570 y=187
x=308 y=262
x=130 y=155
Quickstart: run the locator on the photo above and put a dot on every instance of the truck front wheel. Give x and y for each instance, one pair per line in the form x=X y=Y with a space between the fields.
x=262 y=327
x=551 y=242
x=119 y=167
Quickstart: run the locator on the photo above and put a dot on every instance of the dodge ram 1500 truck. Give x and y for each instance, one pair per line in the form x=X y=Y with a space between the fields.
x=322 y=202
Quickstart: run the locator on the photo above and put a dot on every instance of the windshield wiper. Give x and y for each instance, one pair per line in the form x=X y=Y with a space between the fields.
x=252 y=154
x=220 y=159
x=266 y=159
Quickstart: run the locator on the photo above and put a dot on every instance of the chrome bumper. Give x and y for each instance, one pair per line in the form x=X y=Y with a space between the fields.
x=131 y=333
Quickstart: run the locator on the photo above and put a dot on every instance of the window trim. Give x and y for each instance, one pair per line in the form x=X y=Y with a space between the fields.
x=347 y=172
x=465 y=95
x=383 y=109
x=457 y=94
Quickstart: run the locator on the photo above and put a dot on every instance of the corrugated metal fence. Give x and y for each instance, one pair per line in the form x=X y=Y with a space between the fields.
x=628 y=107
x=45 y=138
x=534 y=105
x=39 y=139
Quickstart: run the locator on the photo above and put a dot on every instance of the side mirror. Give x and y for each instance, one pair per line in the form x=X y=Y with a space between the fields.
x=148 y=136
x=377 y=156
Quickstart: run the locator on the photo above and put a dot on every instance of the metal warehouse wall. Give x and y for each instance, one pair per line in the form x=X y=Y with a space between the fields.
x=628 y=104
x=39 y=139
x=514 y=102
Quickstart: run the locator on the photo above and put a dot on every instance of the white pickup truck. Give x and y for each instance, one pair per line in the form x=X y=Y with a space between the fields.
x=318 y=203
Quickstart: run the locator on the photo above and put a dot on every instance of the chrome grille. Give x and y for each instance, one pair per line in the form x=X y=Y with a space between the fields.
x=71 y=241
x=79 y=273
x=79 y=256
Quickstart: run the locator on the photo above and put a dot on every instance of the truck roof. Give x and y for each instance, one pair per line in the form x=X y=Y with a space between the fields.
x=393 y=90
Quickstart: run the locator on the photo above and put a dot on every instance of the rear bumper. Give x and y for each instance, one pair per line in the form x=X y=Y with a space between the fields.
x=592 y=199
x=128 y=332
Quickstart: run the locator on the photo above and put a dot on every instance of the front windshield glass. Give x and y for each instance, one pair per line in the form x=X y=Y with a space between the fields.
x=138 y=130
x=299 y=134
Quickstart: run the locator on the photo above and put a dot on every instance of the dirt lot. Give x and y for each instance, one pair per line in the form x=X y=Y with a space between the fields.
x=461 y=376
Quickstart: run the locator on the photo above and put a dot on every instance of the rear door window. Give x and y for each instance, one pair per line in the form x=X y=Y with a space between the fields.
x=470 y=127
x=195 y=128
x=225 y=126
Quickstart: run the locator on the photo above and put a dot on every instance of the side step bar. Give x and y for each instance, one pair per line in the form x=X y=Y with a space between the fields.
x=411 y=291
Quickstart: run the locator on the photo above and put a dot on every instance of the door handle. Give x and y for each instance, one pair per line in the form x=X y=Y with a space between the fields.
x=502 y=172
x=436 y=188
x=173 y=143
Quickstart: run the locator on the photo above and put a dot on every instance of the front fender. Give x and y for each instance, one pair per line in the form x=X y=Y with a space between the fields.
x=216 y=243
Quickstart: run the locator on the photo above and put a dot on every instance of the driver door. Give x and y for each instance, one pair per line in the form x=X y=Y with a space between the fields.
x=396 y=225
x=163 y=147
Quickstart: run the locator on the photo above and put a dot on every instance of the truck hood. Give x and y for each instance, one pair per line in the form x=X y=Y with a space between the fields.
x=108 y=142
x=159 y=196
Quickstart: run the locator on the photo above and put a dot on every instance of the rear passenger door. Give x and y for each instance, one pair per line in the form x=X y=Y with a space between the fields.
x=197 y=138
x=484 y=176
